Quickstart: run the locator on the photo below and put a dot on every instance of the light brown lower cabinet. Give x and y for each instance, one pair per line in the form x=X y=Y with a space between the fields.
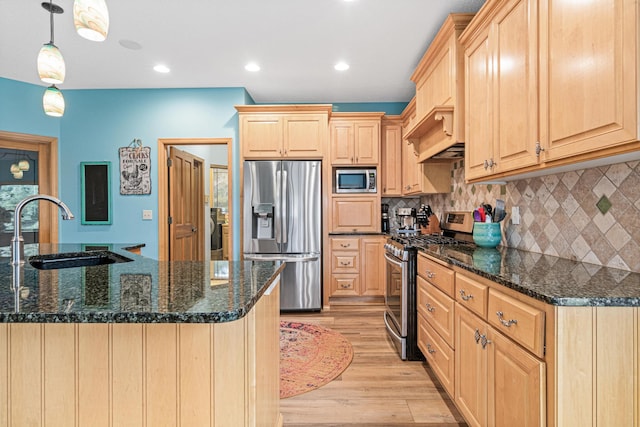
x=152 y=374
x=521 y=362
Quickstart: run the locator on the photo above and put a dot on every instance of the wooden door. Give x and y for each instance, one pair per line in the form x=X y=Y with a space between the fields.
x=341 y=143
x=471 y=367
x=479 y=137
x=589 y=70
x=515 y=85
x=261 y=136
x=305 y=135
x=391 y=160
x=516 y=387
x=410 y=169
x=186 y=206
x=373 y=266
x=367 y=143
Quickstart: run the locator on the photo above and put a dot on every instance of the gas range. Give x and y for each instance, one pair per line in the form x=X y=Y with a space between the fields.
x=457 y=228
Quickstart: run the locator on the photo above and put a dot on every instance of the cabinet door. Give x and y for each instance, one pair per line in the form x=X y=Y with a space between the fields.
x=391 y=160
x=515 y=85
x=471 y=367
x=261 y=136
x=355 y=214
x=409 y=169
x=341 y=143
x=373 y=266
x=304 y=135
x=367 y=143
x=478 y=145
x=589 y=69
x=516 y=389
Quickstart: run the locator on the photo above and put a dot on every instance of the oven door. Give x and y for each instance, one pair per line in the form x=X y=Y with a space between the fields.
x=396 y=295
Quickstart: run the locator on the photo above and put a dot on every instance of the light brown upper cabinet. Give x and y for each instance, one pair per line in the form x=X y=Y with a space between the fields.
x=549 y=84
x=391 y=156
x=283 y=131
x=355 y=138
x=502 y=98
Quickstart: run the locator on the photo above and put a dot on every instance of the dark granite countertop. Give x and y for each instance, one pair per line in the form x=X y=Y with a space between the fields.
x=553 y=280
x=141 y=291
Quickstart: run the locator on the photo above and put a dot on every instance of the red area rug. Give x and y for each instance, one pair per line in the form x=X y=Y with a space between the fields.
x=310 y=357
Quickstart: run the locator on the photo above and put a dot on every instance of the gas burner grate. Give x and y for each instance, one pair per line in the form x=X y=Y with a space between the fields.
x=429 y=239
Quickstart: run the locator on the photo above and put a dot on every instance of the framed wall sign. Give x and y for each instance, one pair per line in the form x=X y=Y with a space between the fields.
x=96 y=192
x=135 y=169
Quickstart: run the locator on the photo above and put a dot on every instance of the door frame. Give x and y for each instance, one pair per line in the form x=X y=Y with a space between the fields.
x=163 y=190
x=47 y=148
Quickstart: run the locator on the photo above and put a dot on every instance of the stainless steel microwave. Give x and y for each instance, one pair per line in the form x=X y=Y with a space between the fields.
x=350 y=180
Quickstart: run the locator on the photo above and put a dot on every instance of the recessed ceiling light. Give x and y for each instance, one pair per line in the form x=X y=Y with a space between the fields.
x=252 y=66
x=130 y=44
x=161 y=68
x=341 y=66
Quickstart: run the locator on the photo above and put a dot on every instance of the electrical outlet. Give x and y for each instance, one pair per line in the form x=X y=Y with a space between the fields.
x=515 y=215
x=147 y=214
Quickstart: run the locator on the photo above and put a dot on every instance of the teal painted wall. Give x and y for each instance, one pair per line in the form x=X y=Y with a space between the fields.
x=97 y=122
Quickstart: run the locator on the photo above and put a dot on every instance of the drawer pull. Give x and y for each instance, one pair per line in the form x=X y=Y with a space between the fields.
x=464 y=296
x=345 y=286
x=430 y=274
x=430 y=308
x=429 y=349
x=345 y=245
x=506 y=323
x=477 y=336
x=345 y=263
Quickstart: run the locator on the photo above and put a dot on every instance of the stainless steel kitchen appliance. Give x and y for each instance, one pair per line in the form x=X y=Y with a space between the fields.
x=282 y=222
x=406 y=219
x=401 y=253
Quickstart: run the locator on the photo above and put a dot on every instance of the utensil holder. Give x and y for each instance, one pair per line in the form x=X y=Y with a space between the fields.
x=487 y=234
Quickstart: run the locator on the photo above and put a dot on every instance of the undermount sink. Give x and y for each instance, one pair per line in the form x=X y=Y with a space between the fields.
x=76 y=259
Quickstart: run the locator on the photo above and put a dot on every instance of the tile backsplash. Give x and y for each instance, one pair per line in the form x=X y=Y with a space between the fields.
x=589 y=215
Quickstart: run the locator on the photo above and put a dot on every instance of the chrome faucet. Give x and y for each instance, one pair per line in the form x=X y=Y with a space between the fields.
x=17 y=242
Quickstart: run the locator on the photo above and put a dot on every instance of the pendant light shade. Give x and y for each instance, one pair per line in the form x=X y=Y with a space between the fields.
x=53 y=102
x=14 y=168
x=51 y=68
x=18 y=175
x=91 y=18
x=23 y=165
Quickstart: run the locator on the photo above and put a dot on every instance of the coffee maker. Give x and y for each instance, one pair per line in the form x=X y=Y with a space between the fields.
x=385 y=218
x=406 y=219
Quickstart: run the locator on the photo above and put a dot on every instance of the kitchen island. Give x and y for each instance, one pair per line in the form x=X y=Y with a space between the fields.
x=141 y=342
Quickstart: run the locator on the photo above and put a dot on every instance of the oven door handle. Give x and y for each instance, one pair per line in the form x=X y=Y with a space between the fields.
x=389 y=328
x=393 y=261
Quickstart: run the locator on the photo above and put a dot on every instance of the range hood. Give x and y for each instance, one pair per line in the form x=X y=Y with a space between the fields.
x=433 y=136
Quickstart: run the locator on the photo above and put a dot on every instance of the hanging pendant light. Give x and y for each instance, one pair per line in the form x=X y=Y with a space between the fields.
x=51 y=68
x=23 y=165
x=14 y=168
x=91 y=18
x=53 y=102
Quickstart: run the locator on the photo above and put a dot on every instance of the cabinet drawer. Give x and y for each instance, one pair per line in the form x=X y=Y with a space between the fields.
x=345 y=262
x=437 y=309
x=345 y=285
x=472 y=294
x=345 y=244
x=517 y=320
x=438 y=354
x=439 y=275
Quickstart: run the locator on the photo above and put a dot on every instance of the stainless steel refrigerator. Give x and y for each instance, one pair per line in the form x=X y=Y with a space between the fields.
x=283 y=221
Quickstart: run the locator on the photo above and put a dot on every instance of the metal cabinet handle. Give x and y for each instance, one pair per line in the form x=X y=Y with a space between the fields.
x=477 y=336
x=504 y=322
x=345 y=263
x=486 y=164
x=430 y=308
x=345 y=286
x=539 y=149
x=430 y=274
x=464 y=296
x=484 y=341
x=345 y=245
x=429 y=349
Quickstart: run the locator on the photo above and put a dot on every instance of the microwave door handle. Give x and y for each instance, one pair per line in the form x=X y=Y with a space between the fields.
x=277 y=219
x=283 y=218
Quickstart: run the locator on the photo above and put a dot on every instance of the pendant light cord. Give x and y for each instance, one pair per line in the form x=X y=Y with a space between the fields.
x=51 y=19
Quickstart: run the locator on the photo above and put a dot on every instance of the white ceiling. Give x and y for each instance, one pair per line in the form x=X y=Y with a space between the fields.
x=206 y=43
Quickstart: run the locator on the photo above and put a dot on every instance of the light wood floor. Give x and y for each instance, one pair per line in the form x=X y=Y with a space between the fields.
x=377 y=389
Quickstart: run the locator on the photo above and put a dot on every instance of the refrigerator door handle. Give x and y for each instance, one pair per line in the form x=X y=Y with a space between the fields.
x=282 y=257
x=277 y=220
x=284 y=212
